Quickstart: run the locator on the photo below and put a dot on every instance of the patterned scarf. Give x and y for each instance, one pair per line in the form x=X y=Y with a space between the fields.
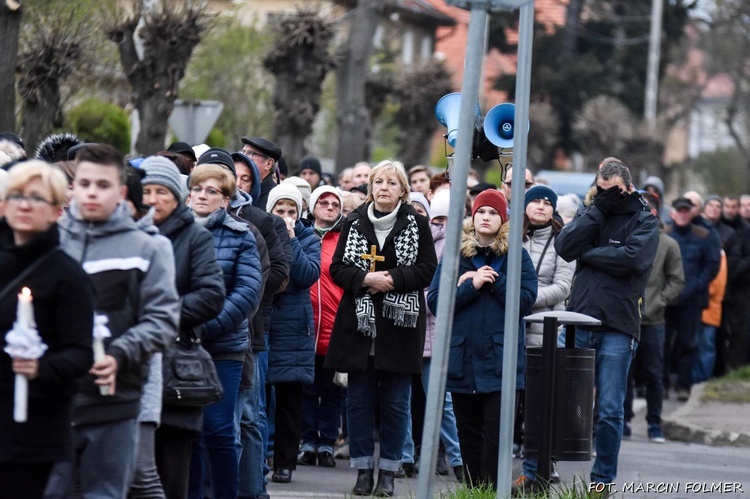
x=402 y=308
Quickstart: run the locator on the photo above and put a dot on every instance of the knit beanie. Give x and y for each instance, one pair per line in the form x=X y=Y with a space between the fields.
x=714 y=197
x=284 y=191
x=323 y=189
x=302 y=185
x=494 y=199
x=541 y=192
x=441 y=203
x=418 y=197
x=160 y=171
x=311 y=163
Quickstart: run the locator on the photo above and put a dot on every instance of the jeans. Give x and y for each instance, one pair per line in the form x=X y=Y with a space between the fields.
x=648 y=365
x=252 y=480
x=705 y=358
x=321 y=410
x=682 y=325
x=392 y=390
x=146 y=482
x=105 y=456
x=218 y=438
x=448 y=430
x=478 y=420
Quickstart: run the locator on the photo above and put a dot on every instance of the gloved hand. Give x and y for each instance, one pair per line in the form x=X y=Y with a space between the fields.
x=606 y=200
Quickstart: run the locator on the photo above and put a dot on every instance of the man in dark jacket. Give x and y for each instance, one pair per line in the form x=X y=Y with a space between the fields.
x=265 y=154
x=737 y=349
x=614 y=241
x=701 y=255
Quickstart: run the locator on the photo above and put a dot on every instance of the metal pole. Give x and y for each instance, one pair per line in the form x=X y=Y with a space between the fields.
x=513 y=289
x=547 y=411
x=449 y=273
x=652 y=73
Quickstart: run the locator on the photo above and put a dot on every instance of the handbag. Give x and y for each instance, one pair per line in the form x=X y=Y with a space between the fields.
x=189 y=374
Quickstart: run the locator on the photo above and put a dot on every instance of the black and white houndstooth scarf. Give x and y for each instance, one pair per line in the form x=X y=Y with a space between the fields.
x=403 y=308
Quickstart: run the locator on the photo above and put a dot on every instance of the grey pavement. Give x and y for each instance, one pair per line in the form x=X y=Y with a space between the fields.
x=707 y=455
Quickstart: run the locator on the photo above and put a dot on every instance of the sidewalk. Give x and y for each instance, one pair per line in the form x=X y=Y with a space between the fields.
x=706 y=422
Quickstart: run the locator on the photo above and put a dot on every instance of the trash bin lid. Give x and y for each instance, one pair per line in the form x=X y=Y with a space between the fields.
x=564 y=317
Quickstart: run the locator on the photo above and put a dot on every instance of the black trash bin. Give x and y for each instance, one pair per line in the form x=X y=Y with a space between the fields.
x=573 y=402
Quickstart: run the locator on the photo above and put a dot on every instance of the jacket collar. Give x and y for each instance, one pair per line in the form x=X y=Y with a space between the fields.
x=119 y=221
x=366 y=228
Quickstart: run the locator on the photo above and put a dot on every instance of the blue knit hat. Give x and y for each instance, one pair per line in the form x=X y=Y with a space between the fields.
x=540 y=191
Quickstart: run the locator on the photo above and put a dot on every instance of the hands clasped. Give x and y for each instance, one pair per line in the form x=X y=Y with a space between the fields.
x=378 y=282
x=479 y=277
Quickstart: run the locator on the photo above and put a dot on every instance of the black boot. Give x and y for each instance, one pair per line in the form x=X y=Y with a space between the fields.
x=384 y=488
x=365 y=482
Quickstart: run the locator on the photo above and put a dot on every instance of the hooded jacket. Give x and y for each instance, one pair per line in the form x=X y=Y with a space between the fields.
x=615 y=254
x=134 y=283
x=63 y=301
x=291 y=349
x=226 y=335
x=475 y=360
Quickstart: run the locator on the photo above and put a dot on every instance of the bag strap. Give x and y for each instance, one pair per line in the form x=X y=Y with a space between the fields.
x=541 y=257
x=23 y=275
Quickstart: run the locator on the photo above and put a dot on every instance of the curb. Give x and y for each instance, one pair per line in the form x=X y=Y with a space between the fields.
x=677 y=426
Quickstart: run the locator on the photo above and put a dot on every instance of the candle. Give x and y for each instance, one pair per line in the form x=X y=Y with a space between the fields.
x=20 y=399
x=101 y=331
x=98 y=357
x=25 y=310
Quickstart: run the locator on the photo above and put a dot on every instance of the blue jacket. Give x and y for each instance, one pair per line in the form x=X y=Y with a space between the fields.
x=475 y=362
x=238 y=258
x=701 y=256
x=291 y=349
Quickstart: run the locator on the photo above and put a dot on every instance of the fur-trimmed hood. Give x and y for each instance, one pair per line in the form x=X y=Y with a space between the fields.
x=469 y=241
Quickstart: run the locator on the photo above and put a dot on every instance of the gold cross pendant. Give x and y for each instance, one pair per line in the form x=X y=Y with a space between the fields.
x=373 y=257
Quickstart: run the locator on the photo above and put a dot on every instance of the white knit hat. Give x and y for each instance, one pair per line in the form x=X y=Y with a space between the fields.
x=284 y=191
x=301 y=184
x=323 y=189
x=440 y=204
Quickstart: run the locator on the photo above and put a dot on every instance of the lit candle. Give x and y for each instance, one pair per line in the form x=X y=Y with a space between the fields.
x=25 y=309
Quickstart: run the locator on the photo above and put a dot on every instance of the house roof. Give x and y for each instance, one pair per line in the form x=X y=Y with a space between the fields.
x=416 y=11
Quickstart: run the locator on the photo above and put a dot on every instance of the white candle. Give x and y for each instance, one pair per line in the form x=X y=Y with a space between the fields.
x=25 y=309
x=20 y=399
x=98 y=357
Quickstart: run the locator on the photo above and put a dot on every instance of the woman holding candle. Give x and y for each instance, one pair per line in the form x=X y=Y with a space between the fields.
x=61 y=300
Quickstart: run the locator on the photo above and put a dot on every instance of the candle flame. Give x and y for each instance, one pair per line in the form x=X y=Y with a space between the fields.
x=26 y=292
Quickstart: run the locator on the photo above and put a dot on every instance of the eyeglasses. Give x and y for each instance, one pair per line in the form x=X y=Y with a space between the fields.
x=209 y=190
x=332 y=204
x=33 y=199
x=252 y=154
x=528 y=184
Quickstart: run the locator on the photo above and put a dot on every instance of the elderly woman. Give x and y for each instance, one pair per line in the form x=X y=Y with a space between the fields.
x=475 y=363
x=383 y=261
x=63 y=311
x=226 y=336
x=291 y=347
x=201 y=288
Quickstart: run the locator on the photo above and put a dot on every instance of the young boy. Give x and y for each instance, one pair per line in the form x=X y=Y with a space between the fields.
x=134 y=284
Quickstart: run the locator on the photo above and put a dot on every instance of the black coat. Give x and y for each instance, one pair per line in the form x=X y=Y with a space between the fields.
x=200 y=284
x=63 y=299
x=397 y=349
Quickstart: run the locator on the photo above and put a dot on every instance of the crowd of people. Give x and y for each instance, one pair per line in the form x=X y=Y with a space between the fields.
x=309 y=303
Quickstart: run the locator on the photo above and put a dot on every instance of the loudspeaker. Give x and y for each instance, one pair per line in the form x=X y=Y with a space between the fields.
x=447 y=112
x=499 y=125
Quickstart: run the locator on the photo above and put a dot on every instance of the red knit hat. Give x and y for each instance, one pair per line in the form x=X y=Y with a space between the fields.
x=493 y=198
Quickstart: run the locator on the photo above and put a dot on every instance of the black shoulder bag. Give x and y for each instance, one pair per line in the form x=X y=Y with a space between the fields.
x=189 y=374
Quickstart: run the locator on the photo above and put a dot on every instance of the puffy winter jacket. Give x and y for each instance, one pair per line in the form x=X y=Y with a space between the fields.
x=291 y=349
x=701 y=256
x=325 y=294
x=235 y=250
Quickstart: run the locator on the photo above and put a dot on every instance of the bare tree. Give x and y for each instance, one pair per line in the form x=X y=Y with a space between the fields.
x=417 y=91
x=52 y=46
x=603 y=128
x=167 y=35
x=352 y=116
x=300 y=61
x=10 y=26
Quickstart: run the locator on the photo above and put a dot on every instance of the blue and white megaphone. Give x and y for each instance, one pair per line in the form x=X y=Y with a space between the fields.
x=499 y=125
x=447 y=112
